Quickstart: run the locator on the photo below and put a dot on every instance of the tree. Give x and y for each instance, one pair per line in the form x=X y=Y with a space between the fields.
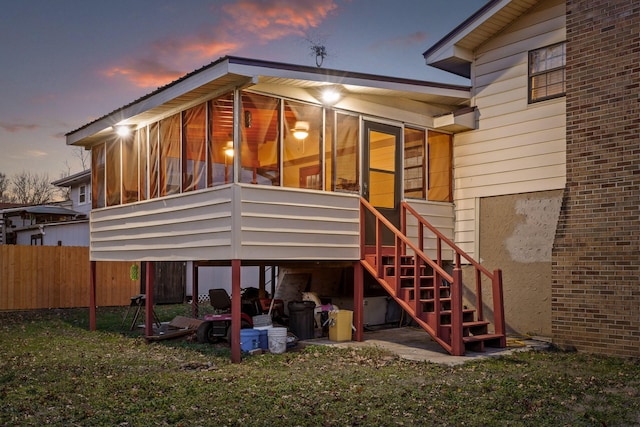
x=32 y=188
x=4 y=186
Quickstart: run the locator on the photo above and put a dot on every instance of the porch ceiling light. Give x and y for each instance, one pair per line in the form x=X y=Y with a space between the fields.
x=330 y=95
x=301 y=130
x=123 y=130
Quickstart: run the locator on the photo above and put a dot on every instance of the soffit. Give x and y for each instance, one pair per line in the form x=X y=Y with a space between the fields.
x=494 y=17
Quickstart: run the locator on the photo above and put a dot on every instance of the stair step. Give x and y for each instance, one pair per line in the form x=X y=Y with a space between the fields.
x=483 y=337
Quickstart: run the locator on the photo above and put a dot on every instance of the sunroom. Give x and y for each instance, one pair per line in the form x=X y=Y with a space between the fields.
x=245 y=162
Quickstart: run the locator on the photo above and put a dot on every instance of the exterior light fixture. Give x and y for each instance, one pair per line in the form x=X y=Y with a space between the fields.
x=330 y=95
x=123 y=131
x=301 y=130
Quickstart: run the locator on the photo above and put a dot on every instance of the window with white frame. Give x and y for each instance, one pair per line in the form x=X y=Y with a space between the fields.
x=82 y=194
x=547 y=76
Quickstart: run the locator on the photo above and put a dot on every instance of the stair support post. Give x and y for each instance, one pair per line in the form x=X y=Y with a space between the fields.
x=457 y=344
x=358 y=301
x=498 y=306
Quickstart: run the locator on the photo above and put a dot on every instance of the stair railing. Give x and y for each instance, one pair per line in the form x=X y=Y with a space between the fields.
x=401 y=242
x=480 y=271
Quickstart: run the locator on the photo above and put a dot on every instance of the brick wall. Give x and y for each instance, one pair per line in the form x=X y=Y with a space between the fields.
x=596 y=255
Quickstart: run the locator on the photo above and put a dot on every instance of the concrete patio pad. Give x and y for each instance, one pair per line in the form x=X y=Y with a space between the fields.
x=413 y=343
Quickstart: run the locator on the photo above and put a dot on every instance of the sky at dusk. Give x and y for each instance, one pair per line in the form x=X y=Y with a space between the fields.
x=68 y=62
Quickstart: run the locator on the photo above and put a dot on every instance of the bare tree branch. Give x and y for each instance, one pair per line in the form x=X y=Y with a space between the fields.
x=32 y=188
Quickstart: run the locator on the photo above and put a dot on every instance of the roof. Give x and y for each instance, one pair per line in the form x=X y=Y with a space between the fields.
x=78 y=178
x=40 y=210
x=229 y=72
x=454 y=52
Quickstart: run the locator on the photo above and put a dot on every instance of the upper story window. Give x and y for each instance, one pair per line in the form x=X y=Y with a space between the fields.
x=547 y=77
x=82 y=195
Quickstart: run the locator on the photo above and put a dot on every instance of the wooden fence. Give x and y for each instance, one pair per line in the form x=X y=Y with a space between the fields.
x=33 y=277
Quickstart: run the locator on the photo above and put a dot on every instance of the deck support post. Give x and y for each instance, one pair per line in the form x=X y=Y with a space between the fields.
x=236 y=307
x=148 y=307
x=92 y=296
x=194 y=291
x=358 y=300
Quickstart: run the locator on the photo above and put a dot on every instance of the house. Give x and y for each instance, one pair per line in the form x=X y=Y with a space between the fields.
x=248 y=163
x=546 y=185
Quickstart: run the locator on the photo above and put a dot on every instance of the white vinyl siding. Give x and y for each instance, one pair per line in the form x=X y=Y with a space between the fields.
x=438 y=214
x=518 y=147
x=267 y=224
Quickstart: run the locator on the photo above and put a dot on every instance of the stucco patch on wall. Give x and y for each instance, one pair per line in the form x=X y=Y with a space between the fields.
x=516 y=236
x=532 y=238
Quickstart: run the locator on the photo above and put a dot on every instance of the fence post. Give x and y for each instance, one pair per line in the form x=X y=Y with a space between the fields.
x=92 y=295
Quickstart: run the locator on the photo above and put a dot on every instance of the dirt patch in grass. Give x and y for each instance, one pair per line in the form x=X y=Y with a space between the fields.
x=54 y=371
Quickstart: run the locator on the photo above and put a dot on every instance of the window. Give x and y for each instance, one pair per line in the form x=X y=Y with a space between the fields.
x=260 y=135
x=547 y=77
x=82 y=195
x=440 y=167
x=414 y=164
x=97 y=176
x=221 y=152
x=302 y=145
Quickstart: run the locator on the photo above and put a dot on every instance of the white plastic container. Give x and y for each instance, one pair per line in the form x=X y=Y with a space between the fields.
x=277 y=340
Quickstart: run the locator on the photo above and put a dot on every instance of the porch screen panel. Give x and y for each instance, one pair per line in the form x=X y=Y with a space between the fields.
x=113 y=170
x=302 y=161
x=98 y=185
x=130 y=179
x=260 y=147
x=329 y=128
x=414 y=164
x=347 y=163
x=154 y=160
x=440 y=165
x=194 y=149
x=170 y=155
x=143 y=162
x=221 y=150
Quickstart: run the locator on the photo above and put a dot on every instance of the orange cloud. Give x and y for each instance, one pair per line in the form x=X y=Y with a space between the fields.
x=17 y=127
x=273 y=19
x=145 y=72
x=245 y=22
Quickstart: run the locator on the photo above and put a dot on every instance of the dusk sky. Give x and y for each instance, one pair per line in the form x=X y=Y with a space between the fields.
x=68 y=62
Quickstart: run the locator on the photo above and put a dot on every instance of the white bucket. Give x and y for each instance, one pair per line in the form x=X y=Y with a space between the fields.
x=277 y=340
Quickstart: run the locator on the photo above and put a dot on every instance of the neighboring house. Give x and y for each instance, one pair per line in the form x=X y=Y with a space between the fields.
x=245 y=163
x=547 y=185
x=79 y=187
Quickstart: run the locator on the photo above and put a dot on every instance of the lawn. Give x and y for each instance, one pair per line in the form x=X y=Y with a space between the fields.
x=54 y=371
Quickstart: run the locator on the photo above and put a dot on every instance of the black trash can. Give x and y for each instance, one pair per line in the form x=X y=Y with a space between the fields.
x=301 y=319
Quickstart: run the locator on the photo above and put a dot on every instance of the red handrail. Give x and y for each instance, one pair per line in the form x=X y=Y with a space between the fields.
x=401 y=242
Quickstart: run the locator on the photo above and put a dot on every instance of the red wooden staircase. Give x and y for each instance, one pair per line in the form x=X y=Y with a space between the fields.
x=425 y=290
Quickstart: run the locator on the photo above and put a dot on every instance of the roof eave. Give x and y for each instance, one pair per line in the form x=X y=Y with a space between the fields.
x=235 y=71
x=454 y=52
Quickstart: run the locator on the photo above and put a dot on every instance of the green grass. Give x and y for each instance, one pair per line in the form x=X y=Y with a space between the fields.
x=54 y=371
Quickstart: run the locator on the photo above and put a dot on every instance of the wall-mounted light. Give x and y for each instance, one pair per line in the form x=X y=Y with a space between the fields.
x=330 y=95
x=301 y=130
